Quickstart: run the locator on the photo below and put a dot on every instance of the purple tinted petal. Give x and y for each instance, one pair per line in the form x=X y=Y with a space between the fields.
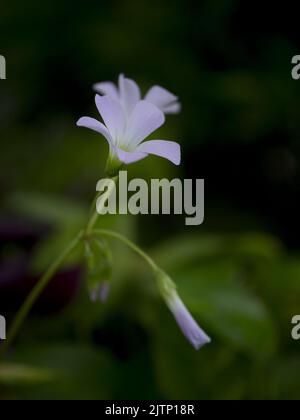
x=107 y=88
x=144 y=119
x=130 y=94
x=93 y=295
x=160 y=96
x=100 y=292
x=173 y=108
x=163 y=148
x=163 y=99
x=130 y=157
x=191 y=330
x=95 y=125
x=104 y=291
x=113 y=116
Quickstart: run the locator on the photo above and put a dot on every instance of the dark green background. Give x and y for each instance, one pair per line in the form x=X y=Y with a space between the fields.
x=230 y=63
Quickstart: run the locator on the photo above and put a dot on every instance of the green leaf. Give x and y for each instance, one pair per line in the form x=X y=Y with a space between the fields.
x=81 y=372
x=16 y=374
x=218 y=297
x=64 y=217
x=50 y=209
x=185 y=250
x=279 y=283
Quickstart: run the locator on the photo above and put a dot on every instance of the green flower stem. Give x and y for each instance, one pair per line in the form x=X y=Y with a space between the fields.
x=135 y=248
x=35 y=293
x=95 y=214
x=45 y=279
x=92 y=222
x=165 y=284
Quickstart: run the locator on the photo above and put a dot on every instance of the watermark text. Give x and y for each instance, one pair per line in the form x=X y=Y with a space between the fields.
x=2 y=328
x=159 y=197
x=296 y=328
x=2 y=68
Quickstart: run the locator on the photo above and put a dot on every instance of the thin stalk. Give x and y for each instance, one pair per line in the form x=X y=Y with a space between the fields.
x=35 y=293
x=104 y=198
x=134 y=247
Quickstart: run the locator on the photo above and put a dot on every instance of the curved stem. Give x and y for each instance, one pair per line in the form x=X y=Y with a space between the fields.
x=35 y=293
x=135 y=248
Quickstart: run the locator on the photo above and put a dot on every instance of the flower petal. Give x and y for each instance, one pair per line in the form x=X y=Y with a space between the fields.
x=163 y=148
x=130 y=93
x=95 y=125
x=100 y=292
x=166 y=101
x=113 y=116
x=173 y=109
x=104 y=291
x=129 y=157
x=107 y=89
x=144 y=119
x=196 y=336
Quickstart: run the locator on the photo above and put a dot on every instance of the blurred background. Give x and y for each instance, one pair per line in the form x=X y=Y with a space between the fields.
x=230 y=64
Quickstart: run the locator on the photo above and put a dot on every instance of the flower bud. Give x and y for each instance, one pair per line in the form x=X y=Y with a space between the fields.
x=189 y=327
x=99 y=262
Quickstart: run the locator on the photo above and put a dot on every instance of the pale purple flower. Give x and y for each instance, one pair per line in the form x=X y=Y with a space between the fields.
x=94 y=295
x=100 y=292
x=104 y=291
x=128 y=94
x=191 y=330
x=126 y=134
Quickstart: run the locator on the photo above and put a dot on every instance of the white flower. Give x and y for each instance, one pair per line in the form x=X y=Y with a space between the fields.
x=128 y=94
x=126 y=131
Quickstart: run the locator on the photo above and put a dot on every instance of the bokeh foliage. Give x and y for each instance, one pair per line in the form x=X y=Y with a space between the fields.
x=238 y=273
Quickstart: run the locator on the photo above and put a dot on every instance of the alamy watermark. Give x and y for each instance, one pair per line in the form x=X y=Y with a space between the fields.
x=160 y=197
x=296 y=328
x=2 y=68
x=2 y=328
x=296 y=67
